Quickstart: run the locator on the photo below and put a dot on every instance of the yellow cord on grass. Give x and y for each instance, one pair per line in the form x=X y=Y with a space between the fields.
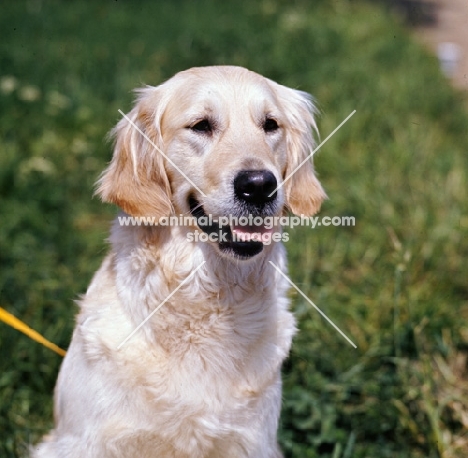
x=10 y=319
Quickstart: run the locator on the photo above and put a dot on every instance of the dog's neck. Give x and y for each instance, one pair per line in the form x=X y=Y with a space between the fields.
x=168 y=249
x=194 y=293
x=149 y=269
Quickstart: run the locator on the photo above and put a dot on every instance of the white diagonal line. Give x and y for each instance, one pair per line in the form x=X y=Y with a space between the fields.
x=312 y=304
x=159 y=150
x=159 y=306
x=310 y=155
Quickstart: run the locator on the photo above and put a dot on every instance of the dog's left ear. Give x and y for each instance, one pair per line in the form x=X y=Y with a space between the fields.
x=304 y=193
x=136 y=179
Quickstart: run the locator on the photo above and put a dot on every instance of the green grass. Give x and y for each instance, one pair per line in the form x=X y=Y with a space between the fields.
x=395 y=283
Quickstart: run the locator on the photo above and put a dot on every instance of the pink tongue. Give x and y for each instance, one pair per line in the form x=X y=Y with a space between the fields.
x=251 y=233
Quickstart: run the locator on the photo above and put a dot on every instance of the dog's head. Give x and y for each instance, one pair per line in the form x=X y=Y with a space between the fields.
x=216 y=141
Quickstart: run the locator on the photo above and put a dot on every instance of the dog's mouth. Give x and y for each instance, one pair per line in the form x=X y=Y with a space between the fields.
x=241 y=241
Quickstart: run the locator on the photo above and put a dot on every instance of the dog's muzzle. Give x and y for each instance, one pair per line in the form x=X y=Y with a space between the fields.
x=254 y=195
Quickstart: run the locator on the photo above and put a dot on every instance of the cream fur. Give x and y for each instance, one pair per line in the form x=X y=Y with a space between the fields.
x=201 y=379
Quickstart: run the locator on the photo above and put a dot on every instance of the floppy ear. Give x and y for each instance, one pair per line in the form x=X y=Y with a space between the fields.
x=136 y=178
x=304 y=193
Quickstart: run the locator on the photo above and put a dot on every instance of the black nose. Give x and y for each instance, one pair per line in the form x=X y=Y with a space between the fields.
x=255 y=186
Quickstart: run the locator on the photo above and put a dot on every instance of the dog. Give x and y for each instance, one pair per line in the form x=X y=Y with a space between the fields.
x=179 y=342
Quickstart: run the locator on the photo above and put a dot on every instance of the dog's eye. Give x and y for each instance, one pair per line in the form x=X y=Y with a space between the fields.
x=270 y=125
x=204 y=126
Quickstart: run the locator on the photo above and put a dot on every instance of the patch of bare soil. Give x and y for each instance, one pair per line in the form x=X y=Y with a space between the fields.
x=448 y=38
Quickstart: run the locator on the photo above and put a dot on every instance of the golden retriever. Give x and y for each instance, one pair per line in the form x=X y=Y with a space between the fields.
x=201 y=377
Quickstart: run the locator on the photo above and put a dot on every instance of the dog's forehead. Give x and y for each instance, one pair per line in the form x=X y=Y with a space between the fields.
x=215 y=88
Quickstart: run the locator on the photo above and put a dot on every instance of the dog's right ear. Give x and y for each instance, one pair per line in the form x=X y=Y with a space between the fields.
x=136 y=178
